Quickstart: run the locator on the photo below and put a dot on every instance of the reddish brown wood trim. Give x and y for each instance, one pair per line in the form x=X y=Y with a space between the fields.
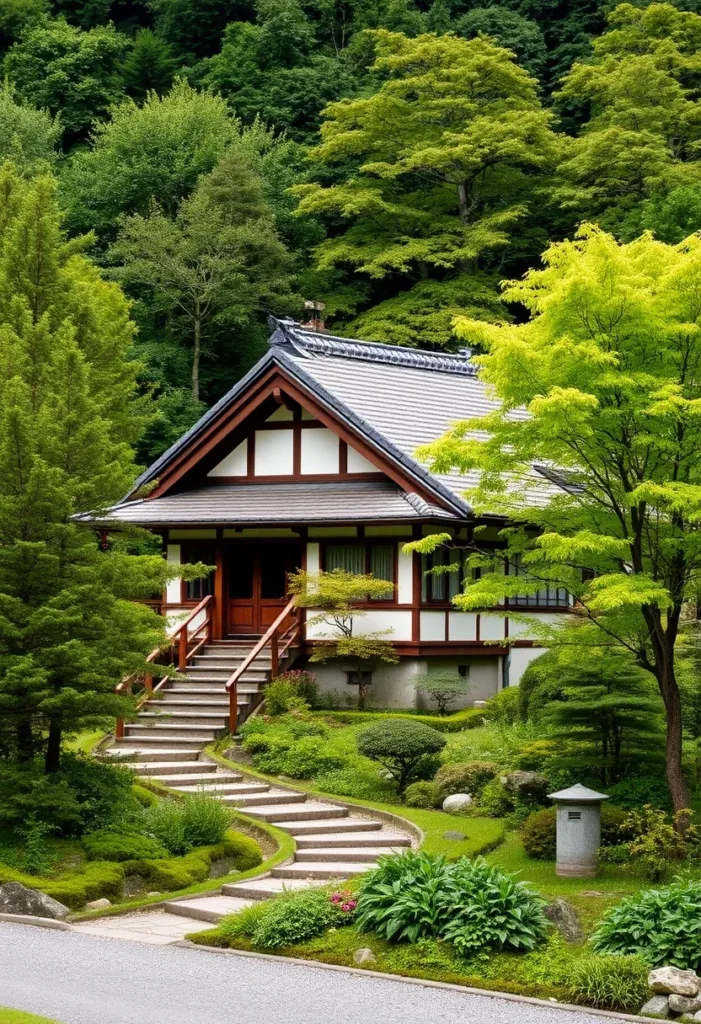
x=297 y=477
x=219 y=590
x=343 y=460
x=227 y=422
x=251 y=454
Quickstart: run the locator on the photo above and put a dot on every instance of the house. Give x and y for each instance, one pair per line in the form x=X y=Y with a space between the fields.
x=309 y=461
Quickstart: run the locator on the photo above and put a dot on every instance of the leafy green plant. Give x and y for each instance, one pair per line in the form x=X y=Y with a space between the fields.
x=610 y=982
x=663 y=925
x=279 y=693
x=422 y=794
x=443 y=688
x=415 y=895
x=306 y=758
x=36 y=855
x=503 y=707
x=494 y=801
x=179 y=825
x=470 y=777
x=403 y=747
x=659 y=840
x=294 y=916
x=304 y=684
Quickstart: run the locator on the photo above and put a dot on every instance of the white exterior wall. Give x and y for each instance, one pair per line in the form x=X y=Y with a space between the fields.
x=395 y=623
x=273 y=454
x=405 y=575
x=320 y=452
x=234 y=464
x=174 y=587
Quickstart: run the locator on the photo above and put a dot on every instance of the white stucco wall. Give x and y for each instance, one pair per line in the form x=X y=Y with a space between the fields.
x=234 y=464
x=274 y=452
x=319 y=452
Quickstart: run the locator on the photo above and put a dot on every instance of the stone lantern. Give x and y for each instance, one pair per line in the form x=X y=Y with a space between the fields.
x=578 y=831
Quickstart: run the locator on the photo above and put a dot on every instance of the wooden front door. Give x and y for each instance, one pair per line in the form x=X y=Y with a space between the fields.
x=257 y=574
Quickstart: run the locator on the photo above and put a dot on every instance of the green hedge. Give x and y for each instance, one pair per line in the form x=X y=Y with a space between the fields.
x=471 y=718
x=106 y=879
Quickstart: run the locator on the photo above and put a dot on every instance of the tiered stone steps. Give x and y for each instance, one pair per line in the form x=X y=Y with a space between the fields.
x=165 y=745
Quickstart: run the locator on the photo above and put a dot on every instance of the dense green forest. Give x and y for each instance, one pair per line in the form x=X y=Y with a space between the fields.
x=395 y=159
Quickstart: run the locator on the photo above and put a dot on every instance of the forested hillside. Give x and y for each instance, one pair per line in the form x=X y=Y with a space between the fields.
x=393 y=159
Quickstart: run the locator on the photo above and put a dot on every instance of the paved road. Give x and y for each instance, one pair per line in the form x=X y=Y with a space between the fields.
x=81 y=979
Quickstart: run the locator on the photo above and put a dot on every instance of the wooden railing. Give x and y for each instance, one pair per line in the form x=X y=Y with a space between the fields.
x=280 y=639
x=182 y=645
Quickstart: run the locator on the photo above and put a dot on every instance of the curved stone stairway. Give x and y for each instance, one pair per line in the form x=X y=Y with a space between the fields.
x=166 y=745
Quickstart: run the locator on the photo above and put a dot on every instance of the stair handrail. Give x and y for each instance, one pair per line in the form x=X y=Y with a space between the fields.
x=180 y=635
x=272 y=637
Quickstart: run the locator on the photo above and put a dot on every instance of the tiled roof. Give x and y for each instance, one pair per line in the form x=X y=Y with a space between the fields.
x=396 y=398
x=245 y=504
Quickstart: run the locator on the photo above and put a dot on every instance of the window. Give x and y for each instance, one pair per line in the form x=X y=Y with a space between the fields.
x=377 y=559
x=195 y=590
x=546 y=597
x=441 y=587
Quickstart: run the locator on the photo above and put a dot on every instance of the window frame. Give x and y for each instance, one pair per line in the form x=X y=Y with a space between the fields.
x=536 y=602
x=186 y=549
x=386 y=602
x=428 y=601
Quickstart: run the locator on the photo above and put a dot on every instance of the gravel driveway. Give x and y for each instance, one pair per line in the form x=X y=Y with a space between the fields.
x=83 y=979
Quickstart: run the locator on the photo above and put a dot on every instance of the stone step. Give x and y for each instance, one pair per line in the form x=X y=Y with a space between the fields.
x=183 y=717
x=207 y=908
x=218 y=702
x=188 y=690
x=333 y=869
x=118 y=753
x=211 y=677
x=346 y=840
x=310 y=812
x=330 y=826
x=199 y=734
x=199 y=770
x=263 y=888
x=209 y=784
x=343 y=854
x=258 y=801
x=162 y=743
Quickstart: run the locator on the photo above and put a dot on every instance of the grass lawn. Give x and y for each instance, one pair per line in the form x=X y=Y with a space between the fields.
x=8 y=1016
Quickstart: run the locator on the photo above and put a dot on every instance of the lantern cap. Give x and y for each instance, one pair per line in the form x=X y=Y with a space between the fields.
x=578 y=795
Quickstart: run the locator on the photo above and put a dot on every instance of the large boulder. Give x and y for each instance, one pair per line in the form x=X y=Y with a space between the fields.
x=674 y=981
x=458 y=803
x=684 y=1004
x=565 y=919
x=18 y=899
x=527 y=785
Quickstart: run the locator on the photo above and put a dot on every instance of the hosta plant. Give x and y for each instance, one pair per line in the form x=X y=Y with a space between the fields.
x=663 y=925
x=418 y=895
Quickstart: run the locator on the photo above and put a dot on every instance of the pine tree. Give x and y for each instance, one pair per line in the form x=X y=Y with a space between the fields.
x=68 y=416
x=150 y=66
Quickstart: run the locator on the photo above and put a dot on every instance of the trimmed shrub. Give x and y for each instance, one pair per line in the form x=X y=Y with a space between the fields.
x=278 y=695
x=471 y=718
x=304 y=684
x=422 y=794
x=180 y=872
x=494 y=801
x=405 y=748
x=145 y=797
x=292 y=917
x=661 y=925
x=538 y=832
x=610 y=982
x=633 y=793
x=418 y=895
x=470 y=777
x=99 y=879
x=306 y=757
x=107 y=845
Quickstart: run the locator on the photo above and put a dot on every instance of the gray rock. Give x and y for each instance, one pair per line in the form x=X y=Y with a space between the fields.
x=18 y=899
x=697 y=1015
x=154 y=893
x=658 y=1006
x=454 y=835
x=364 y=956
x=684 y=1004
x=99 y=904
x=526 y=784
x=457 y=803
x=566 y=920
x=672 y=980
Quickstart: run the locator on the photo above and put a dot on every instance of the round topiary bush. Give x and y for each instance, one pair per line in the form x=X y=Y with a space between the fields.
x=422 y=794
x=404 y=748
x=120 y=846
x=468 y=777
x=538 y=832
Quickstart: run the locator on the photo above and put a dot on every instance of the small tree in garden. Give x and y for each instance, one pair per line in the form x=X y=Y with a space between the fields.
x=337 y=595
x=402 y=747
x=443 y=688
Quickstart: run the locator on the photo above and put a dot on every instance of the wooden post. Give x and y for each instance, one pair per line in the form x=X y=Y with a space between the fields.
x=148 y=681
x=274 y=654
x=217 y=628
x=233 y=708
x=182 y=650
x=119 y=729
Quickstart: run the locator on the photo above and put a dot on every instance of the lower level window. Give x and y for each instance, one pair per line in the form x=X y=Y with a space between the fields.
x=546 y=597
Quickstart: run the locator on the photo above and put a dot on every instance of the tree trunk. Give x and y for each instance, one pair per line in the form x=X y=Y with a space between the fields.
x=463 y=207
x=673 y=753
x=52 y=762
x=196 y=359
x=25 y=741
